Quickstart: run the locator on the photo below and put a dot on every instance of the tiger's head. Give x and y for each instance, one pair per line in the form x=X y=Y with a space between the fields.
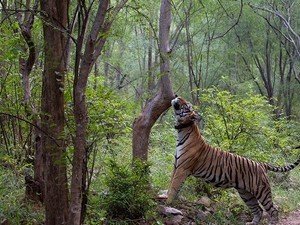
x=184 y=112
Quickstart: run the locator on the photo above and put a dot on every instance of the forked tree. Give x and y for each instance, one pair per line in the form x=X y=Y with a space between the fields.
x=161 y=101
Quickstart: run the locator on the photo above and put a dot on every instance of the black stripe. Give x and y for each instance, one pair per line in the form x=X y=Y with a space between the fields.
x=236 y=178
x=183 y=140
x=243 y=170
x=186 y=161
x=249 y=173
x=266 y=198
x=283 y=168
x=211 y=166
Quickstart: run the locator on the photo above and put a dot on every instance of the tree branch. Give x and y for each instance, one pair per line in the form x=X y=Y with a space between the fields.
x=286 y=23
x=236 y=22
x=32 y=124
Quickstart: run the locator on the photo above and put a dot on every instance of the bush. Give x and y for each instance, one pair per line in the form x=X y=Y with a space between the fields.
x=128 y=194
x=245 y=126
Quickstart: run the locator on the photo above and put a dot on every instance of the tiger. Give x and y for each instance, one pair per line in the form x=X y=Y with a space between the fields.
x=221 y=168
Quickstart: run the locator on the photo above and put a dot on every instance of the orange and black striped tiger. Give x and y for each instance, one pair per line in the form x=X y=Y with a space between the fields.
x=223 y=169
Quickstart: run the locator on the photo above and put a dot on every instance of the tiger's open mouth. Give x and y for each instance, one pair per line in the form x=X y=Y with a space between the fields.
x=181 y=107
x=177 y=107
x=175 y=104
x=185 y=114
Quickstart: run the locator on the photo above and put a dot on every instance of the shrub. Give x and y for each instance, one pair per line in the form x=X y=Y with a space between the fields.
x=245 y=126
x=128 y=195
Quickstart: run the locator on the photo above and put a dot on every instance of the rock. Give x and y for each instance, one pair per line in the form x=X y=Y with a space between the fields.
x=163 y=194
x=173 y=211
x=205 y=201
x=175 y=220
x=182 y=198
x=4 y=222
x=172 y=216
x=202 y=216
x=168 y=210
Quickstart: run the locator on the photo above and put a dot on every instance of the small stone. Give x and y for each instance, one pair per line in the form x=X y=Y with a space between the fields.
x=173 y=211
x=4 y=222
x=168 y=210
x=205 y=201
x=175 y=220
x=182 y=198
x=203 y=216
x=163 y=194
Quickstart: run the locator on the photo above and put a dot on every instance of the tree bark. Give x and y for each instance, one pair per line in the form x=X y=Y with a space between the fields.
x=162 y=100
x=26 y=65
x=80 y=114
x=92 y=49
x=54 y=14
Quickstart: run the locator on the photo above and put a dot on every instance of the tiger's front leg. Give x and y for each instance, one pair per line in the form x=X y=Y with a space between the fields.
x=177 y=179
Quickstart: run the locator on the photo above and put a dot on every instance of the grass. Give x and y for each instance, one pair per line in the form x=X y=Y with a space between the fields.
x=229 y=207
x=13 y=207
x=287 y=193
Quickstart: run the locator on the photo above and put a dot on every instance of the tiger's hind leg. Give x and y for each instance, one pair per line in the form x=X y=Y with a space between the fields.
x=266 y=201
x=252 y=204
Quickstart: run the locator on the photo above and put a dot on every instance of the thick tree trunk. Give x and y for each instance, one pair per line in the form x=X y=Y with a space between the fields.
x=52 y=120
x=162 y=100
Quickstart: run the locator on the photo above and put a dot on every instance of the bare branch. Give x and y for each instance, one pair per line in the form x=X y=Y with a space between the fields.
x=285 y=21
x=291 y=35
x=235 y=23
x=31 y=124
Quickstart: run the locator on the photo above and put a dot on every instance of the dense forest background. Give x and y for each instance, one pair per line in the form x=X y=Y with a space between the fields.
x=85 y=87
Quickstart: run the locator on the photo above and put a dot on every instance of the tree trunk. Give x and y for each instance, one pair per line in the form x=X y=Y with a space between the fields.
x=162 y=100
x=52 y=106
x=151 y=65
x=34 y=186
x=92 y=49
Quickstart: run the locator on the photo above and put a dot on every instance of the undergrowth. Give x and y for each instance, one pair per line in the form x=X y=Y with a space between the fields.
x=122 y=192
x=125 y=195
x=14 y=208
x=122 y=196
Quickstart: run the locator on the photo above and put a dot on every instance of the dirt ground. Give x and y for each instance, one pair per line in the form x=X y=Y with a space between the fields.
x=291 y=219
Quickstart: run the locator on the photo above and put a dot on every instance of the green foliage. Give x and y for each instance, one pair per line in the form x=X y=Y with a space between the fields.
x=287 y=193
x=110 y=115
x=128 y=195
x=13 y=207
x=244 y=125
x=228 y=208
x=161 y=151
x=221 y=54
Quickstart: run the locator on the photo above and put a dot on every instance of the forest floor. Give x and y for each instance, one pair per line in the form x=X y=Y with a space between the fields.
x=185 y=214
x=292 y=219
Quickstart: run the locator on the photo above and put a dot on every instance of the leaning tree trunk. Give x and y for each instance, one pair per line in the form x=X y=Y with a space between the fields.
x=54 y=14
x=162 y=100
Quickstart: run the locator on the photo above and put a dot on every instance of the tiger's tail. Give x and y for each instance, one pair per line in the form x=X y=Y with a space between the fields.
x=283 y=168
